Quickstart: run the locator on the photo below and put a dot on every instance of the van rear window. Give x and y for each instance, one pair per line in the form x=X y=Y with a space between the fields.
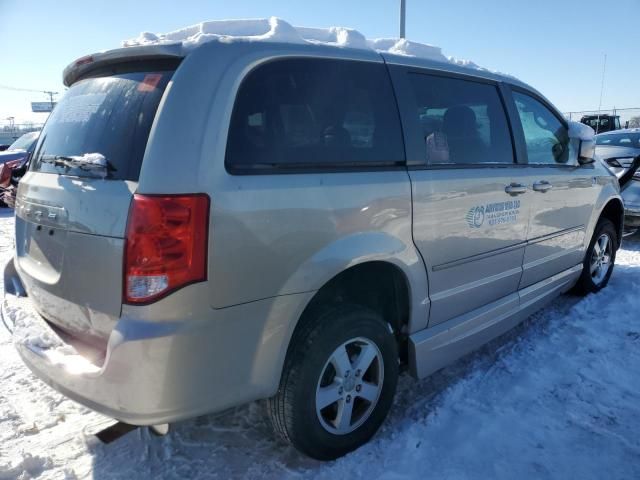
x=110 y=116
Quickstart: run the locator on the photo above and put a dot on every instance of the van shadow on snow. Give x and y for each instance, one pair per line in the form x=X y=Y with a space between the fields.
x=240 y=442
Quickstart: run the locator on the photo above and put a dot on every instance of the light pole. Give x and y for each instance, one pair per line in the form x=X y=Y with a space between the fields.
x=403 y=11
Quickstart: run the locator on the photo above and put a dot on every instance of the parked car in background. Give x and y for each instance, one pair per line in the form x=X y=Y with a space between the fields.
x=21 y=148
x=15 y=158
x=617 y=150
x=338 y=214
x=8 y=195
x=631 y=197
x=602 y=123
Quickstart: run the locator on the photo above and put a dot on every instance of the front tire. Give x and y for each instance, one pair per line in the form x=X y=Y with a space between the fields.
x=599 y=259
x=338 y=382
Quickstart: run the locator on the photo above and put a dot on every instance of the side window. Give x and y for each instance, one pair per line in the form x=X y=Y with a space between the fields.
x=546 y=137
x=308 y=112
x=462 y=122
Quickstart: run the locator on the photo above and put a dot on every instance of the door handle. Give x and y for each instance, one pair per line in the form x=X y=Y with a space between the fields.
x=515 y=189
x=542 y=186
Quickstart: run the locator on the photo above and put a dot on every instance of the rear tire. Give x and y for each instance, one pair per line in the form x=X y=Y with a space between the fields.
x=599 y=260
x=329 y=403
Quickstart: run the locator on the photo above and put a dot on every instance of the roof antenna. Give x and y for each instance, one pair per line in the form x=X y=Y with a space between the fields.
x=604 y=66
x=403 y=11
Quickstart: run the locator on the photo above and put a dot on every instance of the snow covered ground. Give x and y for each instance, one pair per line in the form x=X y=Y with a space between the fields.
x=558 y=397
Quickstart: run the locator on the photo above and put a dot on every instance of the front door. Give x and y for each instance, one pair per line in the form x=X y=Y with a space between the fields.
x=562 y=192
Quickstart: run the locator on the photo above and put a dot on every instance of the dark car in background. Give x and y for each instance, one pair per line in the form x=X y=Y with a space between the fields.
x=4 y=147
x=602 y=122
x=617 y=150
x=13 y=160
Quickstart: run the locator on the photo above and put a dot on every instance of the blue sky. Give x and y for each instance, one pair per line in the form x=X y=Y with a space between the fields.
x=555 y=45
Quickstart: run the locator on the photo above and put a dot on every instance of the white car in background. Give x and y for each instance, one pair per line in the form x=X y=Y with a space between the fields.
x=618 y=149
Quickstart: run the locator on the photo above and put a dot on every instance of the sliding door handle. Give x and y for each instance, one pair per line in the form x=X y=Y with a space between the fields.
x=542 y=186
x=516 y=189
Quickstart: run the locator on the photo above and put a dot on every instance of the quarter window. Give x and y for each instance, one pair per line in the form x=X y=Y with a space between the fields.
x=310 y=113
x=547 y=138
x=462 y=122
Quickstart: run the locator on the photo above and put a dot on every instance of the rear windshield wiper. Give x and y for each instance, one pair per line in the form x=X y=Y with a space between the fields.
x=88 y=162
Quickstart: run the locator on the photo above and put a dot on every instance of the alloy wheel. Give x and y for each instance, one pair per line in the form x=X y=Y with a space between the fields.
x=601 y=258
x=349 y=386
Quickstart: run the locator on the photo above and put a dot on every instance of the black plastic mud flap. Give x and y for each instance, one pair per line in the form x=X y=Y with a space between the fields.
x=114 y=432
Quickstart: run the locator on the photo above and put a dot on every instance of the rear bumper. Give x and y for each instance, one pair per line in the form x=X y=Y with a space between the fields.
x=156 y=372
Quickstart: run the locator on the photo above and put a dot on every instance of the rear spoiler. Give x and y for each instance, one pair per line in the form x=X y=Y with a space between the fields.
x=626 y=179
x=85 y=65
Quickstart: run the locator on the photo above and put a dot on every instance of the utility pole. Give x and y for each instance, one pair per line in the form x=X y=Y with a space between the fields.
x=18 y=89
x=51 y=94
x=604 y=67
x=403 y=12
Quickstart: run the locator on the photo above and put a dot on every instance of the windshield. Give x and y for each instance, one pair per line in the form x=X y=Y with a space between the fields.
x=106 y=116
x=25 y=142
x=631 y=140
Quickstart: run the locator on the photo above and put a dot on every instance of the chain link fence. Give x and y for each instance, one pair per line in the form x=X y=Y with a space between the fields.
x=630 y=115
x=9 y=131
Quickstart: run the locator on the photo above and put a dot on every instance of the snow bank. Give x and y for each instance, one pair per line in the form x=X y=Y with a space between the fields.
x=581 y=131
x=29 y=466
x=277 y=30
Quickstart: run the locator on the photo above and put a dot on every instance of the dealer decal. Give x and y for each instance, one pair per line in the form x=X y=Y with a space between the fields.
x=492 y=214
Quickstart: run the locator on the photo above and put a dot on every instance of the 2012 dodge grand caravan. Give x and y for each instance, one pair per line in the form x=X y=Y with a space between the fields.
x=294 y=223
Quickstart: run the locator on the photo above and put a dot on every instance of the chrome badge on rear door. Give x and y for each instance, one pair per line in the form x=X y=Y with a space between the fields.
x=41 y=214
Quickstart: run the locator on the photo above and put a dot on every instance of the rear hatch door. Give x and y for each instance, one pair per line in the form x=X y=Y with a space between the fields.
x=72 y=205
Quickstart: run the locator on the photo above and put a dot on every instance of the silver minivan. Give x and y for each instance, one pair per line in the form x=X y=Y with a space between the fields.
x=297 y=223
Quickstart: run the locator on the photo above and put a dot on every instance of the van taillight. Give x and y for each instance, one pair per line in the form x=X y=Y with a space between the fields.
x=166 y=245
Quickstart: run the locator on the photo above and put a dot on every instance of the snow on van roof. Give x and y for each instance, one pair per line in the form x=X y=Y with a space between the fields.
x=275 y=29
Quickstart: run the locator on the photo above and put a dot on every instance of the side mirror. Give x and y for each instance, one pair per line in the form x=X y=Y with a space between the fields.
x=586 y=152
x=587 y=146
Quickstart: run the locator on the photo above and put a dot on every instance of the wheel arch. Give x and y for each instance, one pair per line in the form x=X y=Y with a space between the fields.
x=609 y=205
x=383 y=286
x=614 y=211
x=358 y=253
